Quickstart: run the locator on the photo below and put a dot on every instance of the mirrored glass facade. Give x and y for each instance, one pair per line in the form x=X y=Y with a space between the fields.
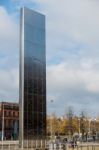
x=32 y=75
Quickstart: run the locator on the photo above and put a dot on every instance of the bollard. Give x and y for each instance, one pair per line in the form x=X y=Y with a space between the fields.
x=77 y=147
x=2 y=145
x=9 y=146
x=41 y=144
x=59 y=146
x=64 y=146
x=67 y=147
x=81 y=147
x=87 y=147
x=36 y=144
x=92 y=147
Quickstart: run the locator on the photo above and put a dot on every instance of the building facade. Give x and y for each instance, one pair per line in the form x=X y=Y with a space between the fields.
x=32 y=77
x=9 y=121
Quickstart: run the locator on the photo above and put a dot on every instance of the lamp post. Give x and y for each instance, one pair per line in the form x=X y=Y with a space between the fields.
x=51 y=122
x=90 y=125
x=2 y=121
x=79 y=125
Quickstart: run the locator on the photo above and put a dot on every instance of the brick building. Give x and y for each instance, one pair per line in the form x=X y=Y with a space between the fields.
x=9 y=120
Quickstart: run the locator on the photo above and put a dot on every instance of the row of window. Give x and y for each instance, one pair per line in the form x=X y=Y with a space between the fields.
x=11 y=113
x=8 y=123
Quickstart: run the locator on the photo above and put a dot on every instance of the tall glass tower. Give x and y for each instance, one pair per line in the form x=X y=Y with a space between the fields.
x=32 y=90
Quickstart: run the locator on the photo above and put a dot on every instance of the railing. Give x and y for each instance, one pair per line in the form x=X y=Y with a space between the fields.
x=14 y=145
x=9 y=145
x=79 y=147
x=85 y=147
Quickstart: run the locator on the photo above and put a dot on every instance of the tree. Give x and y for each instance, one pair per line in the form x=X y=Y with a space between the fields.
x=84 y=125
x=52 y=125
x=69 y=125
x=63 y=123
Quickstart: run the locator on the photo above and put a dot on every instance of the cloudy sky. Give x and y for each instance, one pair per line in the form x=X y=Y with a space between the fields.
x=72 y=48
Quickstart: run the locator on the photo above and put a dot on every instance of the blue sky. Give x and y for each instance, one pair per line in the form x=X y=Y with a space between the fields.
x=72 y=48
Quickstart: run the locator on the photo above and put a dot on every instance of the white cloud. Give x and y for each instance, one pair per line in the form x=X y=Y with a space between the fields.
x=9 y=51
x=71 y=23
x=8 y=33
x=76 y=86
x=62 y=77
x=9 y=85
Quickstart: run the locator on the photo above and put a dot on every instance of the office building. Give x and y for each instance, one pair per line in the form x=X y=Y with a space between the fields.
x=9 y=121
x=32 y=97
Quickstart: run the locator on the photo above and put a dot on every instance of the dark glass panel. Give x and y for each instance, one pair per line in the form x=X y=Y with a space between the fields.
x=34 y=79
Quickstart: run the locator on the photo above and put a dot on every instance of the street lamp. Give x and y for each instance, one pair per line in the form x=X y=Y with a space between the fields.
x=90 y=126
x=2 y=121
x=79 y=126
x=51 y=121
